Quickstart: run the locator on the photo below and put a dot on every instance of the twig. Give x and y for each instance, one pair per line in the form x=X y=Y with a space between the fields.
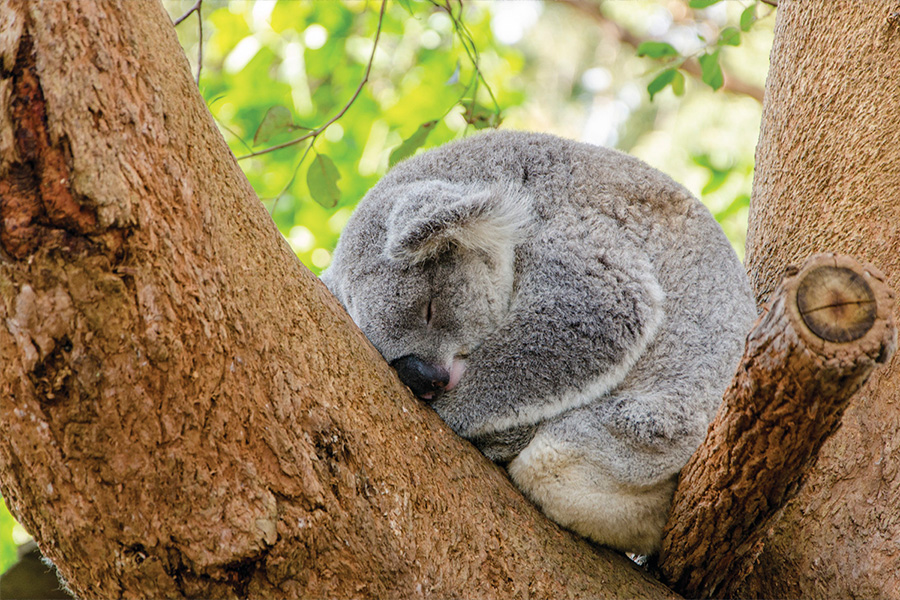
x=293 y=177
x=199 y=40
x=232 y=132
x=465 y=38
x=195 y=8
x=317 y=131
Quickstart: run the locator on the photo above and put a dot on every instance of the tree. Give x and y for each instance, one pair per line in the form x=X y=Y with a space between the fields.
x=164 y=434
x=827 y=179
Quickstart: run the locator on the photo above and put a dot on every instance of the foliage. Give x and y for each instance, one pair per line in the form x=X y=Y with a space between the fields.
x=274 y=73
x=8 y=554
x=307 y=79
x=708 y=56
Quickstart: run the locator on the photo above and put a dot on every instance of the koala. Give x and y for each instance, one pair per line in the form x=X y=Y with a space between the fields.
x=573 y=312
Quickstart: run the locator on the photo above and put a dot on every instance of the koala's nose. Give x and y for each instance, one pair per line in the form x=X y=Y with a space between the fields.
x=424 y=379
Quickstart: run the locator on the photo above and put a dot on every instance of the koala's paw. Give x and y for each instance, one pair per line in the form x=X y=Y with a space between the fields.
x=650 y=423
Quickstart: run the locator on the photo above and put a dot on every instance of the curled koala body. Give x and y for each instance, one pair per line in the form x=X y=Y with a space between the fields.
x=570 y=310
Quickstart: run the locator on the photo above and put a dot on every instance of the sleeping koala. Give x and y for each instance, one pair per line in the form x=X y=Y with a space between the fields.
x=573 y=312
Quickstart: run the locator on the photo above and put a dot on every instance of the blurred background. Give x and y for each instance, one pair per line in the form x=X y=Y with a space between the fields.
x=274 y=72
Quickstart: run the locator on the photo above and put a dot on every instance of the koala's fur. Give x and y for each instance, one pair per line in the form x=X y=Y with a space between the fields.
x=590 y=308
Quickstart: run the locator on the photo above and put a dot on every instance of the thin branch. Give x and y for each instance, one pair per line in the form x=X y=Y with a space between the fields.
x=732 y=83
x=770 y=2
x=199 y=40
x=465 y=38
x=293 y=177
x=318 y=131
x=195 y=7
x=232 y=132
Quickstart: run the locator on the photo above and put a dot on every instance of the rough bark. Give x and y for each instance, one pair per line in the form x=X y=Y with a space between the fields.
x=827 y=179
x=824 y=331
x=184 y=409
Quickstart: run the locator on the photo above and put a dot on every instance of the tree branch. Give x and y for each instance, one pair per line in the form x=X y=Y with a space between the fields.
x=185 y=411
x=733 y=84
x=827 y=327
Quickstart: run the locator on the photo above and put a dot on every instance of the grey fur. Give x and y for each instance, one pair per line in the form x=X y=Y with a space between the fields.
x=598 y=307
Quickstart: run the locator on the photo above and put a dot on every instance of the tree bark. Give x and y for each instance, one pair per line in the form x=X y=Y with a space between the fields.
x=827 y=179
x=184 y=409
x=824 y=331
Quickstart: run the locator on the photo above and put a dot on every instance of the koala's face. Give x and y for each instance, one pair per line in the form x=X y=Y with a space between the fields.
x=439 y=309
x=427 y=277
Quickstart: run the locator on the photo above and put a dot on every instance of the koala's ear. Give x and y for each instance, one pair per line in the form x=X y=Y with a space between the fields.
x=430 y=217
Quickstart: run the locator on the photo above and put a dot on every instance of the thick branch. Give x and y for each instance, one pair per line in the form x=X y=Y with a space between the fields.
x=733 y=84
x=826 y=329
x=184 y=409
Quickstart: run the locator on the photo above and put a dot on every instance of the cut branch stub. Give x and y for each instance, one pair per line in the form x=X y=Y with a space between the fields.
x=836 y=303
x=827 y=326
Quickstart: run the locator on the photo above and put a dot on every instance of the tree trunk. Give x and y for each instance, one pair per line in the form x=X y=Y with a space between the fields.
x=828 y=179
x=184 y=409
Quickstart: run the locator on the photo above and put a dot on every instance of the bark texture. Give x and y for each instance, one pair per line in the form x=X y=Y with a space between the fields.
x=827 y=179
x=184 y=409
x=824 y=331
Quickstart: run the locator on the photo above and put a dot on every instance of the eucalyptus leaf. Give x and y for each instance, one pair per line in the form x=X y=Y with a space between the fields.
x=412 y=143
x=661 y=81
x=277 y=120
x=730 y=36
x=710 y=71
x=678 y=83
x=748 y=17
x=322 y=178
x=656 y=49
x=481 y=117
x=702 y=3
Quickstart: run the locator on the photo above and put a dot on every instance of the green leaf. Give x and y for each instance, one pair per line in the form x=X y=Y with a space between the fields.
x=277 y=119
x=678 y=84
x=322 y=178
x=8 y=556
x=480 y=117
x=730 y=36
x=656 y=49
x=702 y=3
x=748 y=17
x=661 y=81
x=407 y=5
x=710 y=71
x=412 y=143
